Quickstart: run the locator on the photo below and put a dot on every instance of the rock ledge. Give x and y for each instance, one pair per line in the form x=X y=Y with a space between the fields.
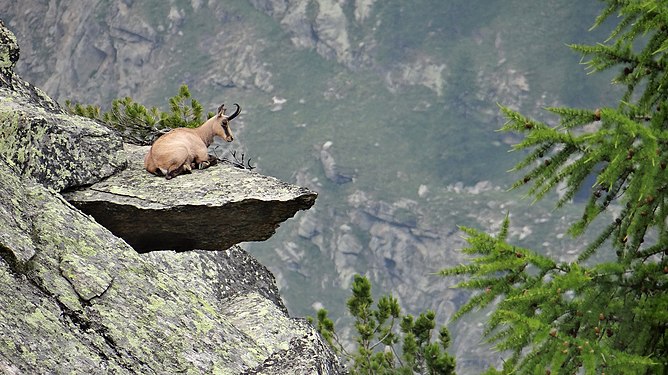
x=152 y=213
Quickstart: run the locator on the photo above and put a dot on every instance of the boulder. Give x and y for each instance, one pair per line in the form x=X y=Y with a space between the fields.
x=210 y=209
x=332 y=170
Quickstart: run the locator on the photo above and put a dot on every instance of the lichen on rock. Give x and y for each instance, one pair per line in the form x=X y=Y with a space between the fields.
x=9 y=50
x=38 y=139
x=118 y=309
x=58 y=150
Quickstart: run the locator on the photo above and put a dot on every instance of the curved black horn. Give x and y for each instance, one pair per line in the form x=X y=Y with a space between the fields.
x=236 y=113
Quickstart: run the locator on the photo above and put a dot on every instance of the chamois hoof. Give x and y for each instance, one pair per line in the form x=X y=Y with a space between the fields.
x=212 y=160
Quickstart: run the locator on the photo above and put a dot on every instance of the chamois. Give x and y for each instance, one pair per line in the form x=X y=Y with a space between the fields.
x=182 y=149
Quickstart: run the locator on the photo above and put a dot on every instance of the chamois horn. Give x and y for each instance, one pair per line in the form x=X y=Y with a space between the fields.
x=236 y=113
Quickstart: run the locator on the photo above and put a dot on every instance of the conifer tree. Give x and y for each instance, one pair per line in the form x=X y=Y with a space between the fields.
x=382 y=328
x=140 y=125
x=586 y=316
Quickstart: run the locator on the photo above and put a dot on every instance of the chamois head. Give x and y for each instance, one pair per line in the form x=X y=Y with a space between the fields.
x=221 y=127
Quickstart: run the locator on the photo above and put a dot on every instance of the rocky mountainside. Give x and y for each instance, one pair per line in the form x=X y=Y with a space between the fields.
x=386 y=109
x=76 y=298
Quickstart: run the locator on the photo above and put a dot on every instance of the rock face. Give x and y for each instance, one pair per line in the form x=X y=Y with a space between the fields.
x=103 y=36
x=211 y=209
x=88 y=46
x=38 y=139
x=75 y=297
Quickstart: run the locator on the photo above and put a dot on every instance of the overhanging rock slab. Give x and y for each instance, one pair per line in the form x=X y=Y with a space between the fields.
x=210 y=209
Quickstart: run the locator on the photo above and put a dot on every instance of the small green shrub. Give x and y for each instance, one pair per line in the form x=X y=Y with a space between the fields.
x=378 y=335
x=140 y=125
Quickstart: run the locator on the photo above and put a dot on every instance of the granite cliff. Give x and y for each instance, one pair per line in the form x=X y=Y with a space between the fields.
x=76 y=297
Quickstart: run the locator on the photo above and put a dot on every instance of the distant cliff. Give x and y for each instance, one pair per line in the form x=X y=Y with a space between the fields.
x=102 y=48
x=75 y=297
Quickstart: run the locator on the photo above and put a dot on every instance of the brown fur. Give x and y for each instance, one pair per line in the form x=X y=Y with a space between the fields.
x=182 y=149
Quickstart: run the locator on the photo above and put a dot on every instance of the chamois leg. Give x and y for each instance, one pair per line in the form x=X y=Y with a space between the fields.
x=171 y=174
x=212 y=160
x=202 y=158
x=200 y=165
x=185 y=168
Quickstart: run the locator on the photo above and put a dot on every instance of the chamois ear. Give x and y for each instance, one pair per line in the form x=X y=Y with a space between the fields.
x=221 y=110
